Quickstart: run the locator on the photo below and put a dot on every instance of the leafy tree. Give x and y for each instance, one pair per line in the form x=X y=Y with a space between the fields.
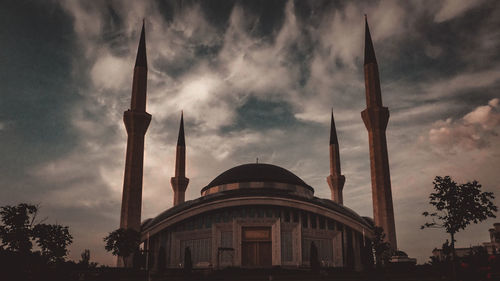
x=457 y=206
x=53 y=240
x=85 y=257
x=20 y=229
x=122 y=242
x=381 y=248
x=85 y=262
x=16 y=230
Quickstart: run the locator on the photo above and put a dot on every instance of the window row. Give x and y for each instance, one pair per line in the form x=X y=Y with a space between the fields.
x=287 y=215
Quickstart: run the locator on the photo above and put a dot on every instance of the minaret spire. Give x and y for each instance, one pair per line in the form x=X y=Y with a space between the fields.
x=376 y=117
x=139 y=84
x=136 y=121
x=180 y=138
x=141 y=59
x=369 y=51
x=333 y=131
x=335 y=180
x=372 y=81
x=179 y=182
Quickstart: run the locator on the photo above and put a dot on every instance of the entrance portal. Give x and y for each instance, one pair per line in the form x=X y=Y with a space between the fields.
x=256 y=250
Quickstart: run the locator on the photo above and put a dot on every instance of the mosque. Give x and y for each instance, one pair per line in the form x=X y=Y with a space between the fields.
x=258 y=215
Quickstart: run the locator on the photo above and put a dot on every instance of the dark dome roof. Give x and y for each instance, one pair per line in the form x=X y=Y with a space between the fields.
x=257 y=173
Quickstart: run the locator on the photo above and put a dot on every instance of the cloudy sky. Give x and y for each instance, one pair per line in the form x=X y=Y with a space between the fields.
x=255 y=79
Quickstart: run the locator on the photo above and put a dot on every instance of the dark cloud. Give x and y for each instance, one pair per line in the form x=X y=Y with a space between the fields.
x=255 y=79
x=257 y=114
x=35 y=74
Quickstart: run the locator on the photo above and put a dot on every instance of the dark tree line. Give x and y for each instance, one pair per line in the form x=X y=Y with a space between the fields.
x=20 y=229
x=29 y=247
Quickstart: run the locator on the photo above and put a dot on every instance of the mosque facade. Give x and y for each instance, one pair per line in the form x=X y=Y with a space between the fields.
x=258 y=215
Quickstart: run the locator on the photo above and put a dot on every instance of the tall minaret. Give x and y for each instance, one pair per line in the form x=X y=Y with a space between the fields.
x=136 y=121
x=335 y=179
x=180 y=182
x=375 y=117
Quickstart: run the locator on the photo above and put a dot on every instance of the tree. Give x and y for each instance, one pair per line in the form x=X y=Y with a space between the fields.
x=446 y=250
x=20 y=229
x=16 y=230
x=53 y=241
x=85 y=258
x=381 y=248
x=122 y=242
x=457 y=206
x=85 y=262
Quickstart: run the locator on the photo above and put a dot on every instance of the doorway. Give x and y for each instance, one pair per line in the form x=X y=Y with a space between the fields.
x=256 y=247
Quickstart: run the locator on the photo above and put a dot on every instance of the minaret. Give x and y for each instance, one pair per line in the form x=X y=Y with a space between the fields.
x=136 y=121
x=180 y=182
x=375 y=117
x=335 y=179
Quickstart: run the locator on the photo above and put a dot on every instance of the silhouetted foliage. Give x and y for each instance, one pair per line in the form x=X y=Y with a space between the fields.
x=475 y=265
x=434 y=261
x=85 y=257
x=381 y=248
x=16 y=230
x=479 y=256
x=122 y=242
x=446 y=248
x=188 y=262
x=52 y=240
x=19 y=229
x=313 y=258
x=441 y=262
x=457 y=206
x=367 y=255
x=85 y=262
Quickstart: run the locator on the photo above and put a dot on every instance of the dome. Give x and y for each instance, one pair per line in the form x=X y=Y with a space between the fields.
x=261 y=175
